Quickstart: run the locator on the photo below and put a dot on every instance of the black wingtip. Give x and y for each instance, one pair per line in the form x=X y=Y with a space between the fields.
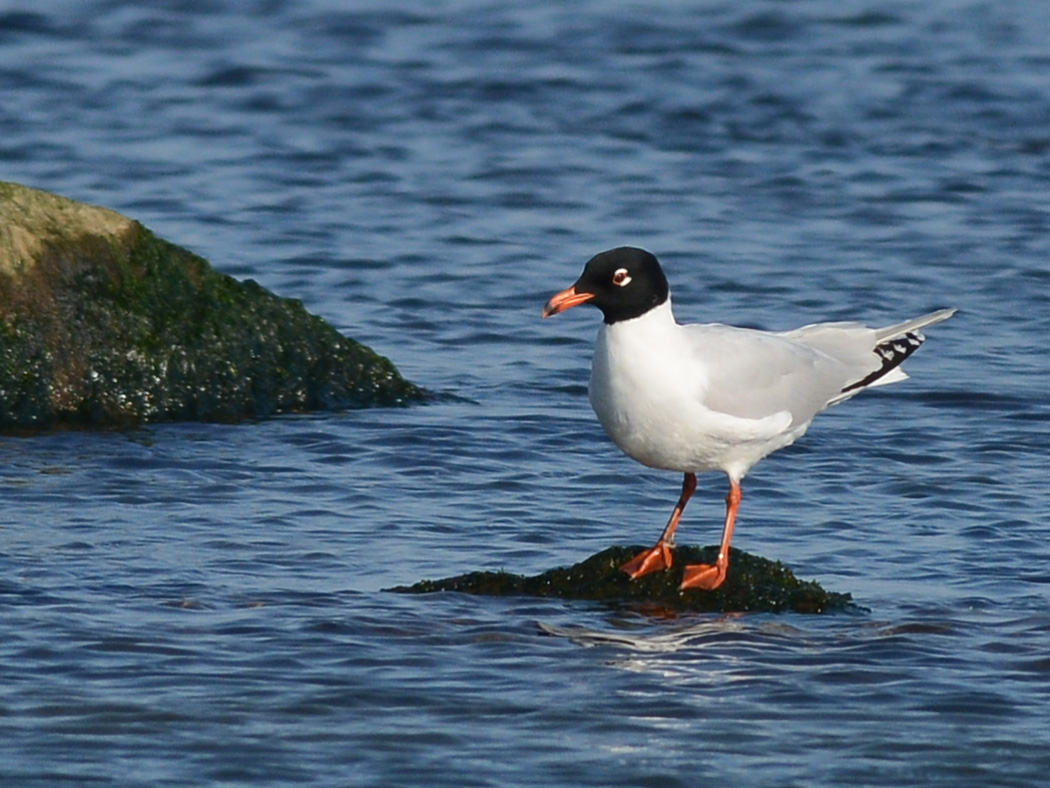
x=893 y=353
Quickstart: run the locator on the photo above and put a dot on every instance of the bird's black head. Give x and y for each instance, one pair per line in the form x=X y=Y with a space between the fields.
x=625 y=282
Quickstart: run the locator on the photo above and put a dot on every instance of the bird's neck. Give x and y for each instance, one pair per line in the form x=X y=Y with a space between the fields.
x=640 y=339
x=656 y=320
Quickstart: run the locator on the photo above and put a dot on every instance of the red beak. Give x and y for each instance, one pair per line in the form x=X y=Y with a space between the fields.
x=566 y=299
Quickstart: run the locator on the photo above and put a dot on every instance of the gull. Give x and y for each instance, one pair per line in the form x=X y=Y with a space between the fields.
x=710 y=397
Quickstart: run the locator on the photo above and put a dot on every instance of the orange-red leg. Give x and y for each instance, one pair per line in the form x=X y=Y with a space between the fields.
x=710 y=576
x=659 y=556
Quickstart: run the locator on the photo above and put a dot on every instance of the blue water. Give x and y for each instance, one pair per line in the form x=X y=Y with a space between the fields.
x=202 y=604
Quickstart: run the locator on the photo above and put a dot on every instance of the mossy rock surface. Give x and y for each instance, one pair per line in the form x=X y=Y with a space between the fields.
x=753 y=584
x=102 y=322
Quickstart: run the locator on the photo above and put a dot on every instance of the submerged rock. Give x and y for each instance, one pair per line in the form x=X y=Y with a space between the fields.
x=101 y=322
x=753 y=584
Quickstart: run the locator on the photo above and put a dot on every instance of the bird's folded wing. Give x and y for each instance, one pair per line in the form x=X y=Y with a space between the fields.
x=755 y=375
x=740 y=429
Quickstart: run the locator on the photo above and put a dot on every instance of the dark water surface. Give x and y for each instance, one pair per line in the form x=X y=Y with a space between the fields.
x=203 y=605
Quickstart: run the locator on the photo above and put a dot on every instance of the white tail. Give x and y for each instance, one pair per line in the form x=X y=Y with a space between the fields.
x=900 y=329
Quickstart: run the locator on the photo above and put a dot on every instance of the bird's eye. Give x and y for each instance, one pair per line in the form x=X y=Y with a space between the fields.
x=621 y=277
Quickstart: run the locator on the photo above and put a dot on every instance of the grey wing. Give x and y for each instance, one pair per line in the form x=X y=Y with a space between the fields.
x=755 y=374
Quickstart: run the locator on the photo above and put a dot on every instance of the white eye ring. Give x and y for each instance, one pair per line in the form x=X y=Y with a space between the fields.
x=621 y=277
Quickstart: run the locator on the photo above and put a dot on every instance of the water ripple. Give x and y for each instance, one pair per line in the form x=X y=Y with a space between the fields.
x=201 y=604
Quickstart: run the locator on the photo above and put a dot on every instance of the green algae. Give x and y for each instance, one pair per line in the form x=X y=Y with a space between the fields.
x=753 y=584
x=102 y=322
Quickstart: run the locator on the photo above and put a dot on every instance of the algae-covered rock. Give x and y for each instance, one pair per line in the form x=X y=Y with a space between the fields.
x=753 y=584
x=102 y=322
